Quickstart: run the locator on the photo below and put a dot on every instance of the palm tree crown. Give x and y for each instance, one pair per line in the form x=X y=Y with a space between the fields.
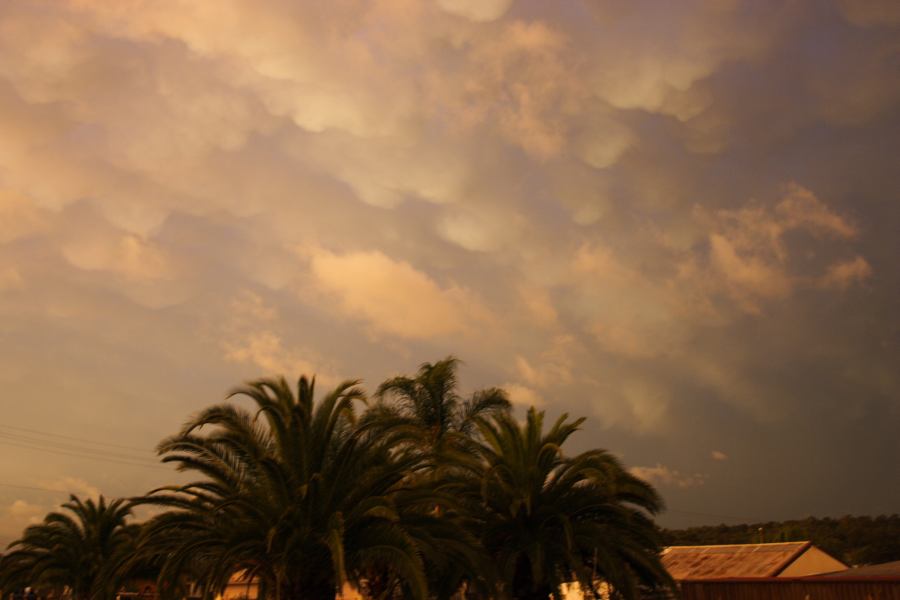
x=299 y=495
x=548 y=519
x=80 y=549
x=430 y=401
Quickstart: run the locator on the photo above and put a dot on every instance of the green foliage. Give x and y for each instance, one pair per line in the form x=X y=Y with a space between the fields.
x=299 y=494
x=81 y=549
x=420 y=496
x=854 y=540
x=429 y=402
x=547 y=519
x=441 y=421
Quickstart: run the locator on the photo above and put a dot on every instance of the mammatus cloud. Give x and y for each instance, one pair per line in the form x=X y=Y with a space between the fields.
x=250 y=338
x=10 y=279
x=843 y=274
x=718 y=455
x=21 y=513
x=477 y=10
x=750 y=255
x=675 y=219
x=392 y=297
x=128 y=256
x=76 y=486
x=17 y=516
x=667 y=477
x=522 y=395
x=871 y=13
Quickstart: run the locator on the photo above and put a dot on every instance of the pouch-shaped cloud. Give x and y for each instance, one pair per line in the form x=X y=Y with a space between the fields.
x=18 y=217
x=10 y=279
x=392 y=297
x=752 y=260
x=476 y=10
x=126 y=255
x=520 y=82
x=18 y=515
x=250 y=336
x=666 y=476
x=266 y=351
x=681 y=46
x=585 y=199
x=871 y=13
x=843 y=274
x=77 y=486
x=522 y=395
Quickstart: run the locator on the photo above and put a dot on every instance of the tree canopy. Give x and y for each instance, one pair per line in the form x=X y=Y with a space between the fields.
x=297 y=494
x=548 y=519
x=421 y=493
x=82 y=548
x=856 y=540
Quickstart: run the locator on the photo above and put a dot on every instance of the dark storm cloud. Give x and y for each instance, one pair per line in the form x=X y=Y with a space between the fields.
x=679 y=220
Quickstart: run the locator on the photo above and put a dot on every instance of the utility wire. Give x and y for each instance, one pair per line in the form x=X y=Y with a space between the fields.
x=683 y=512
x=73 y=438
x=10 y=437
x=34 y=487
x=69 y=447
x=134 y=463
x=77 y=447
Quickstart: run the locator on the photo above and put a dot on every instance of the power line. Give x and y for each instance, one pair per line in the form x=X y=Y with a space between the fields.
x=67 y=446
x=73 y=438
x=77 y=447
x=73 y=450
x=70 y=453
x=34 y=487
x=51 y=490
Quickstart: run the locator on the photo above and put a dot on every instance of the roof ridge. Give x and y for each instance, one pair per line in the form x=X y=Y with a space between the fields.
x=799 y=542
x=806 y=546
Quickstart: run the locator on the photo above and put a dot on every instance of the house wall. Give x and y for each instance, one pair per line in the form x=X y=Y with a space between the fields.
x=812 y=562
x=572 y=591
x=241 y=591
x=348 y=592
x=790 y=590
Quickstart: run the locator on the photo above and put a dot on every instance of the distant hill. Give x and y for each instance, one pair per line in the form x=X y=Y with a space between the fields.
x=854 y=540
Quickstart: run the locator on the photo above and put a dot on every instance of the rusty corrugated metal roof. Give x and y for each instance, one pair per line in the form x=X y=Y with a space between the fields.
x=732 y=560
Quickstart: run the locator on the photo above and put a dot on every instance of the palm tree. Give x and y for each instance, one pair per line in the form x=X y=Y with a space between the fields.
x=300 y=495
x=80 y=550
x=443 y=423
x=547 y=519
x=430 y=402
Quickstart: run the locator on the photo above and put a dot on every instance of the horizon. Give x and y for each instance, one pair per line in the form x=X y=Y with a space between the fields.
x=679 y=221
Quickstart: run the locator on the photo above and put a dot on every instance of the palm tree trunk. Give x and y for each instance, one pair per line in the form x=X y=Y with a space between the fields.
x=306 y=590
x=538 y=593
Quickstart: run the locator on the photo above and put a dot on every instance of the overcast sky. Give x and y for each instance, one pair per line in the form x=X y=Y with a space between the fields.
x=679 y=219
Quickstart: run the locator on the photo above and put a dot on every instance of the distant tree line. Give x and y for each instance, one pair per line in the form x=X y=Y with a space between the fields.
x=854 y=540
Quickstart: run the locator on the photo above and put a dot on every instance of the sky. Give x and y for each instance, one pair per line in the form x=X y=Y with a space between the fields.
x=677 y=219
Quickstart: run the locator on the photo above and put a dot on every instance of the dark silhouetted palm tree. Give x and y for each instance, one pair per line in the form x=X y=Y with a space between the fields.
x=547 y=519
x=297 y=494
x=443 y=423
x=430 y=401
x=80 y=549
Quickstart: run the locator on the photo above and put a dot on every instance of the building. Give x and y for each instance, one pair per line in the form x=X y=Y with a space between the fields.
x=873 y=582
x=889 y=570
x=242 y=587
x=788 y=559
